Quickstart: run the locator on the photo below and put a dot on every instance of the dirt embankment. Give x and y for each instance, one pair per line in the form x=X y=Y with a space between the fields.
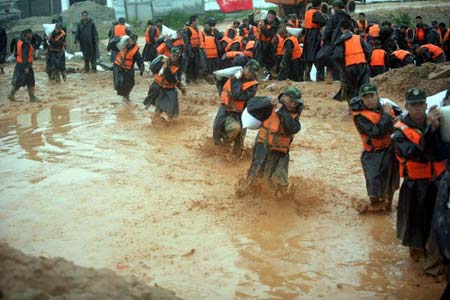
x=26 y=277
x=396 y=12
x=395 y=82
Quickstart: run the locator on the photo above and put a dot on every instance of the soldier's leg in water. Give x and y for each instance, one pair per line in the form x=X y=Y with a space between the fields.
x=219 y=123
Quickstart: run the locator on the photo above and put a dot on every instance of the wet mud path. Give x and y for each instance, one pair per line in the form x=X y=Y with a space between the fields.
x=88 y=178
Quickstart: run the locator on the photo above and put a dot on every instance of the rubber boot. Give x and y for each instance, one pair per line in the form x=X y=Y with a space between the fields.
x=56 y=76
x=64 y=77
x=33 y=97
x=11 y=94
x=86 y=66
x=308 y=67
x=2 y=71
x=94 y=66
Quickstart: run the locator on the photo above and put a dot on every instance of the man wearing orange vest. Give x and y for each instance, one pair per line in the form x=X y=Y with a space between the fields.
x=270 y=159
x=152 y=34
x=119 y=30
x=445 y=40
x=420 y=32
x=277 y=44
x=163 y=90
x=233 y=31
x=314 y=21
x=165 y=47
x=379 y=60
x=355 y=52
x=56 y=54
x=191 y=38
x=429 y=53
x=374 y=121
x=415 y=138
x=362 y=23
x=400 y=58
x=212 y=49
x=123 y=69
x=235 y=93
x=291 y=65
x=267 y=29
x=23 y=71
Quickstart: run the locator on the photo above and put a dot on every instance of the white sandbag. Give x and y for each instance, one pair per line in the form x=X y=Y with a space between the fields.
x=250 y=122
x=68 y=55
x=99 y=68
x=228 y=72
x=294 y=31
x=386 y=100
x=11 y=58
x=436 y=99
x=169 y=32
x=123 y=42
x=78 y=54
x=48 y=28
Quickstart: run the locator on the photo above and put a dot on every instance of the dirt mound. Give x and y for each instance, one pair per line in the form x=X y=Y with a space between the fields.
x=97 y=12
x=394 y=83
x=26 y=277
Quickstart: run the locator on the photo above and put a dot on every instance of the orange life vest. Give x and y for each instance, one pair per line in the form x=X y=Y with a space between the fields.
x=126 y=58
x=162 y=82
x=413 y=169
x=279 y=49
x=354 y=53
x=233 y=54
x=420 y=34
x=266 y=39
x=249 y=49
x=19 y=58
x=202 y=39
x=237 y=40
x=60 y=36
x=433 y=49
x=372 y=144
x=120 y=30
x=374 y=30
x=309 y=24
x=362 y=26
x=232 y=103
x=296 y=51
x=147 y=34
x=401 y=54
x=377 y=59
x=274 y=135
x=210 y=47
x=195 y=37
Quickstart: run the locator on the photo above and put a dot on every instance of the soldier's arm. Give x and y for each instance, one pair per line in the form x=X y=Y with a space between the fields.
x=291 y=125
x=383 y=127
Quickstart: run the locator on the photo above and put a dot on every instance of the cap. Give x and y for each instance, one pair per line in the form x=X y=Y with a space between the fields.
x=175 y=50
x=415 y=95
x=367 y=88
x=338 y=3
x=253 y=65
x=294 y=93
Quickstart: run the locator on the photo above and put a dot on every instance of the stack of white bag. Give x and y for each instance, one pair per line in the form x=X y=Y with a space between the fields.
x=438 y=99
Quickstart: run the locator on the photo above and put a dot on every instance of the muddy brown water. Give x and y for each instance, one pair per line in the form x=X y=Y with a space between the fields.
x=88 y=178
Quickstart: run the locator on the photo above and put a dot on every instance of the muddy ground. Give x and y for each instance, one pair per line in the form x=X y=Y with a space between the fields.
x=96 y=181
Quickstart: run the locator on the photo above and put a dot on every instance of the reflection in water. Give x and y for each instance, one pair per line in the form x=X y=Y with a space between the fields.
x=39 y=132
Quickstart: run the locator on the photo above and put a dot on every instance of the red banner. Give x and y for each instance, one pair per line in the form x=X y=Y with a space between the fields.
x=235 y=5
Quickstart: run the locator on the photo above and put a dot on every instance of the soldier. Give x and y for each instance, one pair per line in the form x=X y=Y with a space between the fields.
x=235 y=93
x=270 y=159
x=374 y=122
x=23 y=71
x=414 y=138
x=87 y=36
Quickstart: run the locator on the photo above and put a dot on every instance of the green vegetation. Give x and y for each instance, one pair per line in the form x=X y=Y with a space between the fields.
x=400 y=18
